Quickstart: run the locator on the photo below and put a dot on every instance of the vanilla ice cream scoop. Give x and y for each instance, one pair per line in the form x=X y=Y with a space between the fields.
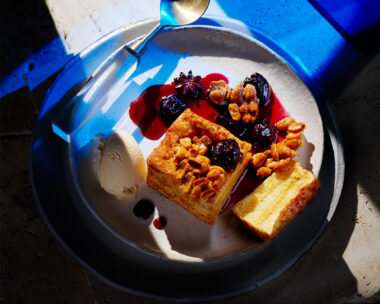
x=122 y=166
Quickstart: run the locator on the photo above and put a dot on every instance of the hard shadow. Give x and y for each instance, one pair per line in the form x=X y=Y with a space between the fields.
x=26 y=28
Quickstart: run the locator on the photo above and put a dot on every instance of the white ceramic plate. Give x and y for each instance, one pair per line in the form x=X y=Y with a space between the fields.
x=173 y=263
x=203 y=50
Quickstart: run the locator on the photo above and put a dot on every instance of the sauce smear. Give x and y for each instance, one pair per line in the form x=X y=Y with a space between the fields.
x=249 y=181
x=145 y=110
x=145 y=113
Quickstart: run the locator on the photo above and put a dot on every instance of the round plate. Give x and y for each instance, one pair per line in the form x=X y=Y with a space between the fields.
x=96 y=242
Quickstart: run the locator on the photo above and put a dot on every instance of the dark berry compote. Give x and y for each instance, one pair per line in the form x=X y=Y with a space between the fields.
x=159 y=105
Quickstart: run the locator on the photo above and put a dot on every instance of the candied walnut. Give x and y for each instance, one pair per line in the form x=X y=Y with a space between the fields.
x=233 y=108
x=217 y=96
x=284 y=123
x=281 y=164
x=208 y=194
x=196 y=172
x=181 y=172
x=293 y=136
x=193 y=152
x=202 y=149
x=180 y=153
x=219 y=182
x=196 y=192
x=253 y=109
x=243 y=108
x=247 y=118
x=202 y=182
x=203 y=159
x=217 y=175
x=296 y=127
x=219 y=91
x=206 y=140
x=252 y=106
x=270 y=163
x=249 y=92
x=196 y=140
x=188 y=182
x=274 y=152
x=267 y=153
x=217 y=84
x=293 y=144
x=194 y=163
x=237 y=94
x=284 y=151
x=185 y=142
x=184 y=168
x=264 y=172
x=214 y=172
x=228 y=93
x=258 y=160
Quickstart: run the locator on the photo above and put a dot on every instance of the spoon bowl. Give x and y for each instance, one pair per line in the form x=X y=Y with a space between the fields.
x=182 y=12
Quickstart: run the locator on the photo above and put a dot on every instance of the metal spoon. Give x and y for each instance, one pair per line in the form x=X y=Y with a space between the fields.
x=117 y=68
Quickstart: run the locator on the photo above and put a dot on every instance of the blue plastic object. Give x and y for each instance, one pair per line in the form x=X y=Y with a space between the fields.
x=357 y=20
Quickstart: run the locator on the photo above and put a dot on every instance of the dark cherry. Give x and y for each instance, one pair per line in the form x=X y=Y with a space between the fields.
x=263 y=133
x=221 y=108
x=143 y=209
x=225 y=154
x=237 y=128
x=188 y=86
x=160 y=222
x=262 y=88
x=170 y=108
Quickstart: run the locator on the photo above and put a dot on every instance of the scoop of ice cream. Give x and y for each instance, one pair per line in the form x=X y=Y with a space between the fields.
x=122 y=166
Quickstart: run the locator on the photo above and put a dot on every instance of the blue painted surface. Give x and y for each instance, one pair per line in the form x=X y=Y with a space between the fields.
x=296 y=26
x=37 y=68
x=357 y=20
x=303 y=32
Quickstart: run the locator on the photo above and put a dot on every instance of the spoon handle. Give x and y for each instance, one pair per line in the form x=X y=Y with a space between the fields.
x=138 y=47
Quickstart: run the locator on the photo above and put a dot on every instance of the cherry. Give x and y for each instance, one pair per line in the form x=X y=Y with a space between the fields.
x=225 y=154
x=170 y=108
x=262 y=88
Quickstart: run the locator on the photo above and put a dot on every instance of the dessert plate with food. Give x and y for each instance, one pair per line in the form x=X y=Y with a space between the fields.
x=215 y=164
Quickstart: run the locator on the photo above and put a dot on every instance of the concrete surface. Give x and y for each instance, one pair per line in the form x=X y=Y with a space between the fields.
x=342 y=267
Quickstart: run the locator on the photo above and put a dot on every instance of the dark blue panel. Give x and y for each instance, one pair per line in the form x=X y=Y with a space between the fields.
x=357 y=20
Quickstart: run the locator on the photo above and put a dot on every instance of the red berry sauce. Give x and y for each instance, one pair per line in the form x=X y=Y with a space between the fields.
x=145 y=110
x=145 y=113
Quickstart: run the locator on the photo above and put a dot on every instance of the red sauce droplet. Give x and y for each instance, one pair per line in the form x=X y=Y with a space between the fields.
x=145 y=110
x=160 y=222
x=143 y=209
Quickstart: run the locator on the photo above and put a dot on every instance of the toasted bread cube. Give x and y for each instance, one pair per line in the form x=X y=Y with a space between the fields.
x=277 y=201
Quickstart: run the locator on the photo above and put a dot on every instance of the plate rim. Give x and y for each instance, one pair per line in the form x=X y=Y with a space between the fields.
x=334 y=136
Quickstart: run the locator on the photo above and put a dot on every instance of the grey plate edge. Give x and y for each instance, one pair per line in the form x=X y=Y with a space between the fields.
x=334 y=134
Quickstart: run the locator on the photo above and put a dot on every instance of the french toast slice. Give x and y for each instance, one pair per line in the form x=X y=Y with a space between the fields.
x=277 y=201
x=173 y=173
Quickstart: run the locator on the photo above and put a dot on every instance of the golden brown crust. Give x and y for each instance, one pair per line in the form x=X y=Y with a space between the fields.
x=162 y=166
x=254 y=212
